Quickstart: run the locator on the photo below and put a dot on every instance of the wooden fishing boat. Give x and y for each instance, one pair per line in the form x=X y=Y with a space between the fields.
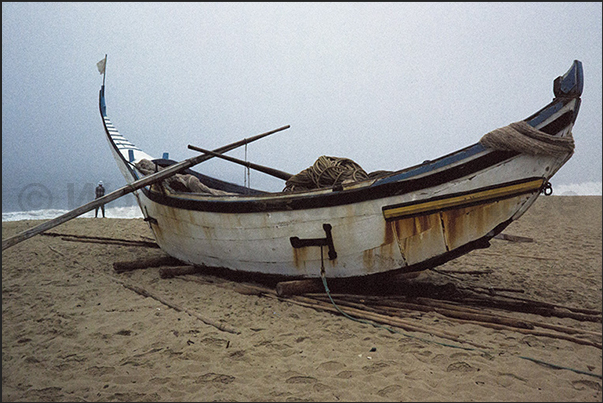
x=402 y=221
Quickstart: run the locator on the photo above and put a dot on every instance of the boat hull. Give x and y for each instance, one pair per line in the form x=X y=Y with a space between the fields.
x=410 y=220
x=368 y=237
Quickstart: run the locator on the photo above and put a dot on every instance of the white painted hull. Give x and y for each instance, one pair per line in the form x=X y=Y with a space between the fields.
x=364 y=241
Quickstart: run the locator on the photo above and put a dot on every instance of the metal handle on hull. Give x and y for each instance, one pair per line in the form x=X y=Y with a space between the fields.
x=296 y=242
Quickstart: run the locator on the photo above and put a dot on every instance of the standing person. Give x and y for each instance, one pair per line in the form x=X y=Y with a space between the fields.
x=100 y=192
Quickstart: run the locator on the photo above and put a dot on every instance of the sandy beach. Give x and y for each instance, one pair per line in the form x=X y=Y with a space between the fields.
x=73 y=329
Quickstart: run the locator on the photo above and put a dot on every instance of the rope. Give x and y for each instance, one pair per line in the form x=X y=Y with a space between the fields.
x=324 y=282
x=523 y=138
x=326 y=172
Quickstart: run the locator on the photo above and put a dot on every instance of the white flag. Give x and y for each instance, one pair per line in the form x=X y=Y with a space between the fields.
x=101 y=65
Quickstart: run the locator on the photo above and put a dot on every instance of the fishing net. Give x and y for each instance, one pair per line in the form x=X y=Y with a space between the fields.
x=179 y=182
x=523 y=138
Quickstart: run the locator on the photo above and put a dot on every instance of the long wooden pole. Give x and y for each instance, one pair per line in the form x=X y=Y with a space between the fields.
x=147 y=180
x=221 y=326
x=267 y=170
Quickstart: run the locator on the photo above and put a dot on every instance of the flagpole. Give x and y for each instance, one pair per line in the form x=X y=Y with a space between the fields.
x=105 y=70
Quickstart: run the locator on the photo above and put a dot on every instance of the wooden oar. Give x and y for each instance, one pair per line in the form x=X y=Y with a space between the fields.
x=267 y=170
x=147 y=180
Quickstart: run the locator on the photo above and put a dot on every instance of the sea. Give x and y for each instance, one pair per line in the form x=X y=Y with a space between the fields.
x=37 y=203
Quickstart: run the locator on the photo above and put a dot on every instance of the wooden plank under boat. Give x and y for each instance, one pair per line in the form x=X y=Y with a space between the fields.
x=404 y=221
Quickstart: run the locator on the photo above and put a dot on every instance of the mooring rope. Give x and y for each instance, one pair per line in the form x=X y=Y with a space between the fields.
x=391 y=330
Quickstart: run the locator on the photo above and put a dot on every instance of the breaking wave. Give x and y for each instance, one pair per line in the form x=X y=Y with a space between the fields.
x=48 y=214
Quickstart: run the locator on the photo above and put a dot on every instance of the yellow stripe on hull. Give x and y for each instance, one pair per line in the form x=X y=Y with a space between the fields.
x=396 y=213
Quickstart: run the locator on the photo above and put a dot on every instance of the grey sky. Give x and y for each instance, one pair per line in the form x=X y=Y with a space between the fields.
x=385 y=84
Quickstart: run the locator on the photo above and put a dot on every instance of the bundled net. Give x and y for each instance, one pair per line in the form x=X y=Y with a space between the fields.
x=179 y=182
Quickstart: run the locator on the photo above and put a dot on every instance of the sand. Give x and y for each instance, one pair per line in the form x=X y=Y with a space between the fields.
x=71 y=330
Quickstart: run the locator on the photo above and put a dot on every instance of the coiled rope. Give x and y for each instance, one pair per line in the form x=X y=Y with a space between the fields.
x=326 y=172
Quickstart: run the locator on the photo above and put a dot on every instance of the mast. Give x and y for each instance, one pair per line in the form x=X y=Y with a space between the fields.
x=105 y=70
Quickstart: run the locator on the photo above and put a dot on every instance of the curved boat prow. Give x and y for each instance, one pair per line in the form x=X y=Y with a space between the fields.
x=571 y=83
x=558 y=117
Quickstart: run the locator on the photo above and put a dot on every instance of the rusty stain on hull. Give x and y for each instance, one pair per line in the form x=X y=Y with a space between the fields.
x=467 y=224
x=423 y=237
x=368 y=258
x=299 y=257
x=384 y=255
x=420 y=237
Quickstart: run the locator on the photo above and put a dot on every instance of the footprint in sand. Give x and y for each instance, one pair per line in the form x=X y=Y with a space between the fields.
x=52 y=394
x=345 y=374
x=392 y=390
x=301 y=379
x=213 y=377
x=581 y=385
x=133 y=397
x=331 y=366
x=508 y=379
x=376 y=367
x=460 y=366
x=100 y=371
x=214 y=342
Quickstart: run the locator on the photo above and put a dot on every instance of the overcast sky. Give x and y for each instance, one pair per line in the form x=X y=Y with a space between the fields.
x=385 y=84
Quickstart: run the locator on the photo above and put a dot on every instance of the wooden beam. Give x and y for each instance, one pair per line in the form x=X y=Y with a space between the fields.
x=267 y=170
x=130 y=265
